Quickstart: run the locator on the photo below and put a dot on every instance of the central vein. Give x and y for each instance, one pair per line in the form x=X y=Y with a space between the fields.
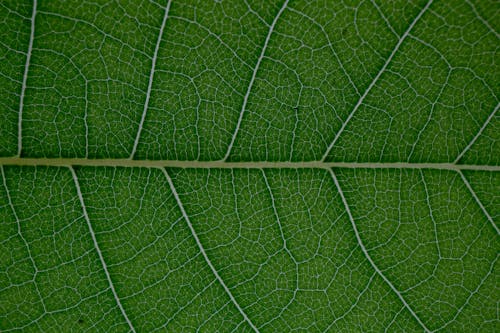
x=237 y=165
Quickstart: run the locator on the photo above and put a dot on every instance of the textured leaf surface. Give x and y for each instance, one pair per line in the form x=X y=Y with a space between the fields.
x=242 y=166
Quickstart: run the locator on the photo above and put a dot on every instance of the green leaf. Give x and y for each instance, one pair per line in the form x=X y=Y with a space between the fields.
x=249 y=166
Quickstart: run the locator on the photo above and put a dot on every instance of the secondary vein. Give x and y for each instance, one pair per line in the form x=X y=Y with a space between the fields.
x=367 y=255
x=478 y=134
x=96 y=246
x=202 y=250
x=476 y=198
x=374 y=81
x=25 y=79
x=252 y=79
x=151 y=77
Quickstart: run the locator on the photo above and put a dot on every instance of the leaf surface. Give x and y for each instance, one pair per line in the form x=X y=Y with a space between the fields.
x=236 y=166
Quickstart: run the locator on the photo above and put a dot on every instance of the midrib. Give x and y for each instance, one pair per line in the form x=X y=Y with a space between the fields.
x=123 y=162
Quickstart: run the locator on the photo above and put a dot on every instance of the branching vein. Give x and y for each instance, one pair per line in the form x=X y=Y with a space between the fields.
x=151 y=77
x=96 y=246
x=367 y=255
x=480 y=18
x=478 y=134
x=374 y=81
x=202 y=250
x=25 y=242
x=25 y=79
x=252 y=79
x=471 y=190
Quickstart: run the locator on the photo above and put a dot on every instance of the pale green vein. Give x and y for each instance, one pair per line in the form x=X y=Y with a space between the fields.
x=96 y=246
x=96 y=28
x=478 y=134
x=476 y=198
x=25 y=79
x=374 y=81
x=252 y=79
x=172 y=317
x=125 y=162
x=382 y=15
x=285 y=247
x=275 y=212
x=367 y=255
x=480 y=18
x=25 y=242
x=330 y=45
x=394 y=320
x=354 y=304
x=431 y=215
x=151 y=77
x=472 y=293
x=202 y=249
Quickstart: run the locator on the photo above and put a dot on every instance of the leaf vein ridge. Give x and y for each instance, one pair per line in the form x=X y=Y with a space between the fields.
x=478 y=134
x=374 y=81
x=25 y=242
x=476 y=198
x=285 y=246
x=25 y=79
x=252 y=79
x=98 y=250
x=202 y=250
x=483 y=21
x=125 y=162
x=151 y=77
x=472 y=293
x=367 y=255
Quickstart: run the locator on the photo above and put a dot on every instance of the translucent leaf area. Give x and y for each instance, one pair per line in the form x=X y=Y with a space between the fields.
x=249 y=166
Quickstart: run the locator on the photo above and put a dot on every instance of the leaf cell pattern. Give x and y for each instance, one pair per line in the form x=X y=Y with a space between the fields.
x=249 y=166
